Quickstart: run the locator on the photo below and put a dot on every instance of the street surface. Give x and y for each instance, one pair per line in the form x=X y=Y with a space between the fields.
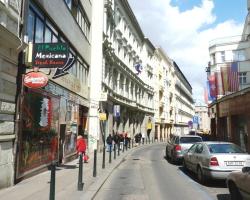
x=145 y=174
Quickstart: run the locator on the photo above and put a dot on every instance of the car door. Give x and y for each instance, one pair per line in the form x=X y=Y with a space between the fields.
x=197 y=156
x=189 y=156
x=169 y=145
x=243 y=182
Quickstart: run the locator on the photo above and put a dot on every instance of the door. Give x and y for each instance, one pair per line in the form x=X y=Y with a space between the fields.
x=61 y=141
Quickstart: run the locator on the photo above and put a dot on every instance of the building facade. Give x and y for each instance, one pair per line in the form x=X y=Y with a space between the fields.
x=48 y=119
x=127 y=71
x=10 y=45
x=229 y=113
x=184 y=109
x=204 y=121
x=164 y=102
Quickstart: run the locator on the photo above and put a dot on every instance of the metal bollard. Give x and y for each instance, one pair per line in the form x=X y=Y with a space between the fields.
x=52 y=181
x=80 y=183
x=103 y=157
x=95 y=162
x=114 y=151
x=123 y=147
x=118 y=149
x=133 y=143
x=146 y=140
x=110 y=154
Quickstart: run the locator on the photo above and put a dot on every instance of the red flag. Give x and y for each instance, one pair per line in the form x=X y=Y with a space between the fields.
x=212 y=85
x=205 y=95
x=233 y=78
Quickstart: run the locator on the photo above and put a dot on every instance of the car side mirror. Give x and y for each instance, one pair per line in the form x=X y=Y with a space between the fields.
x=246 y=169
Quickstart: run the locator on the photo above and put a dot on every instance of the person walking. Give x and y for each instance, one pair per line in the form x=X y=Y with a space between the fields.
x=149 y=128
x=81 y=147
x=143 y=138
x=109 y=141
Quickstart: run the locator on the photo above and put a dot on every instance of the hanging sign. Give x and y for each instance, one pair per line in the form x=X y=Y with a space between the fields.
x=35 y=80
x=102 y=116
x=52 y=55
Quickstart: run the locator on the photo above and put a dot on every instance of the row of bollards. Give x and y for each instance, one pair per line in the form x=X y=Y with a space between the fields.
x=80 y=173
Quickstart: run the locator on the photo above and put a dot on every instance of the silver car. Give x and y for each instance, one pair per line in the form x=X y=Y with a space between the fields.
x=215 y=160
x=238 y=184
x=178 y=145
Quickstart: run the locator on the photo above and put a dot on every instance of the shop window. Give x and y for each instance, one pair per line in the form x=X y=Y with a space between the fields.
x=39 y=134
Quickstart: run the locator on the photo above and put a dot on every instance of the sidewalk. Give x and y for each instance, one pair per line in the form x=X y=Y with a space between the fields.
x=38 y=187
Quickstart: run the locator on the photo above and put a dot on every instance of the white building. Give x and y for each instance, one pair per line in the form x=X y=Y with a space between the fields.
x=184 y=109
x=204 y=121
x=128 y=88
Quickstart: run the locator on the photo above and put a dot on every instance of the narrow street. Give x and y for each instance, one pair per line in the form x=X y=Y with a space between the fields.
x=146 y=174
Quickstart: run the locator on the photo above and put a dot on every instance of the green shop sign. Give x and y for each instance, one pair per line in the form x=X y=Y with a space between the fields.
x=50 y=55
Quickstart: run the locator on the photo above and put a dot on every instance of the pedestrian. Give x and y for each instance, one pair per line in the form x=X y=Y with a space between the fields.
x=81 y=147
x=149 y=128
x=143 y=137
x=139 y=137
x=116 y=141
x=109 y=141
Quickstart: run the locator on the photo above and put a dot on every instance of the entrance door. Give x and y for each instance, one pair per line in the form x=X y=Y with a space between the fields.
x=61 y=141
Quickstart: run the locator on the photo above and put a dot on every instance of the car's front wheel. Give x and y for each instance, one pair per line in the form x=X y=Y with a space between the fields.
x=234 y=192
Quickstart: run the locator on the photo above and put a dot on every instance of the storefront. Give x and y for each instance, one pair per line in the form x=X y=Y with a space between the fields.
x=51 y=119
x=230 y=118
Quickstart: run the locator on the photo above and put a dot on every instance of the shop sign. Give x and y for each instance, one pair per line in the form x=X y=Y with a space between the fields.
x=104 y=96
x=35 y=80
x=116 y=110
x=52 y=55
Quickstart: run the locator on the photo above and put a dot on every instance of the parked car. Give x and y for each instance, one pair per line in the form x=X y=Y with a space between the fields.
x=238 y=184
x=214 y=160
x=178 y=145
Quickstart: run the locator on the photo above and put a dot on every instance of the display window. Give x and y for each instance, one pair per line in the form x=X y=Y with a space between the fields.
x=39 y=130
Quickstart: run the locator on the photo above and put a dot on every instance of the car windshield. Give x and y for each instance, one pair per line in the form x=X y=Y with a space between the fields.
x=224 y=148
x=190 y=139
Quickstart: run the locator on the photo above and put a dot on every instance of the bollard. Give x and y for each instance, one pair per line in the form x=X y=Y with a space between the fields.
x=52 y=181
x=103 y=157
x=114 y=151
x=109 y=155
x=146 y=140
x=80 y=183
x=149 y=140
x=95 y=162
x=123 y=147
x=119 y=149
x=126 y=146
x=133 y=143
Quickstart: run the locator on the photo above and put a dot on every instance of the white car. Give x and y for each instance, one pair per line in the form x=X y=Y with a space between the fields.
x=238 y=184
x=215 y=160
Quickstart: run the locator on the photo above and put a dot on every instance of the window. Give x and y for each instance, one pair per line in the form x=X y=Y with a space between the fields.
x=222 y=56
x=199 y=148
x=41 y=30
x=239 y=55
x=83 y=21
x=68 y=3
x=243 y=78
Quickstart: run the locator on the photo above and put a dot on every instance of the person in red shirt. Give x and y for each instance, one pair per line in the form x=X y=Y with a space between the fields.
x=81 y=146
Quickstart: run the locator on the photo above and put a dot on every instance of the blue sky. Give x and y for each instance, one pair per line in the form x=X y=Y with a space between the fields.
x=184 y=28
x=224 y=9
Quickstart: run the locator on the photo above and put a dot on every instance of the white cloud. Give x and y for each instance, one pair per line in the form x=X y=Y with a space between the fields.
x=184 y=35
